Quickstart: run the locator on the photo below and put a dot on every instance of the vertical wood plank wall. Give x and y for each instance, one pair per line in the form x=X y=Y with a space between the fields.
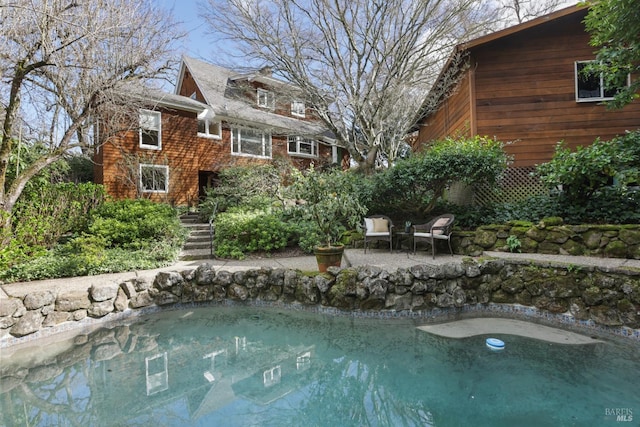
x=524 y=87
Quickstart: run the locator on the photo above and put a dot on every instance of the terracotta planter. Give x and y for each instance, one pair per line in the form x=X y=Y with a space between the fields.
x=330 y=256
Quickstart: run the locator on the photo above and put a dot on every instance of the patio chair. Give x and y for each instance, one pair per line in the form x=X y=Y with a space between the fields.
x=378 y=228
x=439 y=228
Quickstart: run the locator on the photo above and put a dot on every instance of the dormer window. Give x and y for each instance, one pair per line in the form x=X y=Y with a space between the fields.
x=265 y=99
x=297 y=109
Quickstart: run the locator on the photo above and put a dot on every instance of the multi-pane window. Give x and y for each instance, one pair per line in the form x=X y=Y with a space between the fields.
x=250 y=142
x=298 y=145
x=150 y=129
x=590 y=85
x=297 y=108
x=154 y=178
x=209 y=128
x=265 y=99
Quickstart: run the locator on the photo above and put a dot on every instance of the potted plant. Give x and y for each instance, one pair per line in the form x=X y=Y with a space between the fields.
x=328 y=202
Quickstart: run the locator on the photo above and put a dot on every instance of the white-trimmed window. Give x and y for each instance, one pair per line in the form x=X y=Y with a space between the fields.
x=154 y=178
x=250 y=142
x=150 y=129
x=210 y=128
x=297 y=145
x=266 y=99
x=590 y=86
x=297 y=109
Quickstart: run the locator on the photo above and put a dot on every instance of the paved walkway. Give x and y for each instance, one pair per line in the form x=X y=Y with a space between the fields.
x=353 y=257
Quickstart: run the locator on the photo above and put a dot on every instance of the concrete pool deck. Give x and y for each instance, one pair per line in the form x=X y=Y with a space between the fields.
x=499 y=326
x=352 y=258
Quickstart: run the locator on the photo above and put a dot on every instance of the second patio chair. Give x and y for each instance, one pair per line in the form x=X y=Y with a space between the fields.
x=378 y=228
x=439 y=228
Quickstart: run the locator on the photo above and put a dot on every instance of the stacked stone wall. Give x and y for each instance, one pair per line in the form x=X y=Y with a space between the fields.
x=551 y=236
x=609 y=298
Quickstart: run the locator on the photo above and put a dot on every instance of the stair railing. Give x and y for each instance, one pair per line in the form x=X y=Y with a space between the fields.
x=212 y=218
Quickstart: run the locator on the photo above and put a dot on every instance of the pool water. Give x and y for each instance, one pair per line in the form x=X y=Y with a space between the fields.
x=223 y=366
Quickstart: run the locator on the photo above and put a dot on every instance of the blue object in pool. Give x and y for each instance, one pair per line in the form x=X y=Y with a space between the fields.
x=495 y=344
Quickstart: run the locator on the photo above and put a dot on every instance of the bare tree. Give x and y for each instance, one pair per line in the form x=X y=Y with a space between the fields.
x=365 y=67
x=64 y=63
x=519 y=11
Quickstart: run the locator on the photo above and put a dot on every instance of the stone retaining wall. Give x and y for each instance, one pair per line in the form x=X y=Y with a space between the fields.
x=551 y=236
x=602 y=297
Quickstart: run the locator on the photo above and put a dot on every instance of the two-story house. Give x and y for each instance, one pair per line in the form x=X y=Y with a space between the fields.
x=215 y=119
x=524 y=86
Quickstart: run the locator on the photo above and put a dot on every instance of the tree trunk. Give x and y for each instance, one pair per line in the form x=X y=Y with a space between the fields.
x=368 y=165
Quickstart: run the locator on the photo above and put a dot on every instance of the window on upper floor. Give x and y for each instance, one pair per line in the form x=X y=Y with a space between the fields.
x=154 y=178
x=150 y=132
x=250 y=142
x=298 y=108
x=208 y=128
x=297 y=145
x=266 y=99
x=590 y=86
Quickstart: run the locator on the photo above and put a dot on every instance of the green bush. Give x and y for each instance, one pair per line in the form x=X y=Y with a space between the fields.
x=133 y=224
x=605 y=206
x=240 y=231
x=259 y=186
x=328 y=200
x=46 y=212
x=306 y=235
x=580 y=174
x=414 y=185
x=61 y=262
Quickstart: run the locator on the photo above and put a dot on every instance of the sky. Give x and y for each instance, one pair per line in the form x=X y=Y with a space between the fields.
x=198 y=44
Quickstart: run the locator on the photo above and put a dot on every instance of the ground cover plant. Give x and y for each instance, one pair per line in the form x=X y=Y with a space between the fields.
x=118 y=236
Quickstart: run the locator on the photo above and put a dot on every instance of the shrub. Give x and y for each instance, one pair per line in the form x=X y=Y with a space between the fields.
x=414 y=185
x=240 y=231
x=580 y=174
x=328 y=200
x=257 y=185
x=46 y=212
x=60 y=262
x=132 y=224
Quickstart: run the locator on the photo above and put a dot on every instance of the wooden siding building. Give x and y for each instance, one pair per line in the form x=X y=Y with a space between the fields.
x=216 y=118
x=522 y=87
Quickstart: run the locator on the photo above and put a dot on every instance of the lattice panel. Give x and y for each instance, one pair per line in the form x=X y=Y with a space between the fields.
x=516 y=184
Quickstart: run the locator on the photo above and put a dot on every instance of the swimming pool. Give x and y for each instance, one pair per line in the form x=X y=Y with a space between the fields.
x=247 y=366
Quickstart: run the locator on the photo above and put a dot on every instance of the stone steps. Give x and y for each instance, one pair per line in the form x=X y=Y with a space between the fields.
x=198 y=244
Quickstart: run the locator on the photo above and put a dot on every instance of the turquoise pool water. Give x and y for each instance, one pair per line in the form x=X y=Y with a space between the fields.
x=221 y=366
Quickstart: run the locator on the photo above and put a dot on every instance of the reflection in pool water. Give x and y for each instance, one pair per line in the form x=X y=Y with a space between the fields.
x=249 y=366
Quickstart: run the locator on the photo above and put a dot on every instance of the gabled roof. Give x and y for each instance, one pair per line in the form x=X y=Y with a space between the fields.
x=519 y=27
x=213 y=82
x=160 y=98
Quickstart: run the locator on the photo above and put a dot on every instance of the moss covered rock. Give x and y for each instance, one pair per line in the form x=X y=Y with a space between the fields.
x=592 y=239
x=537 y=234
x=616 y=249
x=559 y=235
x=548 y=248
x=485 y=238
x=550 y=221
x=528 y=245
x=630 y=237
x=571 y=247
x=592 y=296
